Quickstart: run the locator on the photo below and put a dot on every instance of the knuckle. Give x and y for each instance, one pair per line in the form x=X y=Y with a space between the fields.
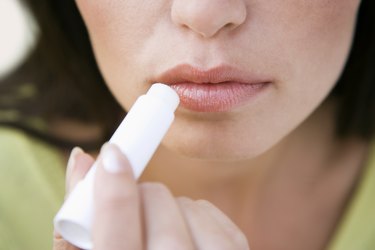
x=168 y=242
x=219 y=243
x=237 y=238
x=154 y=188
x=234 y=238
x=228 y=243
x=240 y=240
x=183 y=200
x=205 y=203
x=188 y=205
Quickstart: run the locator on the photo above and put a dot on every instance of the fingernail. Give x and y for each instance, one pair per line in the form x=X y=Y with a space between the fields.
x=110 y=160
x=73 y=157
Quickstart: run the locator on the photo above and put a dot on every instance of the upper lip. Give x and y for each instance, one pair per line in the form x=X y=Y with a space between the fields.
x=186 y=73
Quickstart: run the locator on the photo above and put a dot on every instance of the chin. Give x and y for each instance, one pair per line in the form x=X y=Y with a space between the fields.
x=214 y=148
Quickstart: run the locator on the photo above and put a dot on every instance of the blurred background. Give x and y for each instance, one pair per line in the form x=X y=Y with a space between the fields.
x=18 y=34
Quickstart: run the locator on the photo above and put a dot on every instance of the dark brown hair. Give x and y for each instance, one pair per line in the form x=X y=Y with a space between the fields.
x=356 y=87
x=60 y=79
x=62 y=76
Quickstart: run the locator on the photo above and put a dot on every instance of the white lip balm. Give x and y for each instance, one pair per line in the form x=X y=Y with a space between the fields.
x=138 y=136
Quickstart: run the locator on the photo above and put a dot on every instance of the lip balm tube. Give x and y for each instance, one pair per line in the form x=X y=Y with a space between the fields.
x=138 y=137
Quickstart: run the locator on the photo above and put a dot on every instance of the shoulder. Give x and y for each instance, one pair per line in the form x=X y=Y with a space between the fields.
x=357 y=228
x=31 y=188
x=26 y=160
x=18 y=146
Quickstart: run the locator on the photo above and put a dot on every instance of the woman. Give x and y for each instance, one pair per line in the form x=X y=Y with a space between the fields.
x=274 y=130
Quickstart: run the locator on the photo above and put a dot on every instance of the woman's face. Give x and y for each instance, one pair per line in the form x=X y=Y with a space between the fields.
x=273 y=63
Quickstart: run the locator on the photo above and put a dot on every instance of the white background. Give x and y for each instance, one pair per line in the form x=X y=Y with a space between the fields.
x=17 y=35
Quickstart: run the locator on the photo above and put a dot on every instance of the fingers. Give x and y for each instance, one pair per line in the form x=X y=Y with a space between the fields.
x=146 y=216
x=117 y=224
x=210 y=228
x=78 y=165
x=233 y=231
x=165 y=224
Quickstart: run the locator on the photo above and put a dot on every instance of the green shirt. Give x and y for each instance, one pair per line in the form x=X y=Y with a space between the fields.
x=357 y=229
x=32 y=190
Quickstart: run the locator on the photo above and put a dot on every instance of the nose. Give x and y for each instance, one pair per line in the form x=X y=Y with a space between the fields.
x=209 y=17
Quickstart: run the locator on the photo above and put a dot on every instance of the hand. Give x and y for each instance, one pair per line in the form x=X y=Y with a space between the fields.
x=78 y=165
x=146 y=216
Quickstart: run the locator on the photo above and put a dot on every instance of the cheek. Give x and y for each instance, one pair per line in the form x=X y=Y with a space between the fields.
x=318 y=36
x=120 y=27
x=314 y=39
x=117 y=30
x=112 y=25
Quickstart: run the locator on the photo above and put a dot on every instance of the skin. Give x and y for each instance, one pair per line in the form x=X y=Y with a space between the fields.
x=273 y=166
x=300 y=45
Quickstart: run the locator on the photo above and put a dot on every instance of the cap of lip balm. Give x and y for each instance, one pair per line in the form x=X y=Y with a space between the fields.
x=138 y=137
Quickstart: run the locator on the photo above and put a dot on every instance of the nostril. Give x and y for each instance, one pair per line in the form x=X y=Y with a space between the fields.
x=229 y=26
x=208 y=18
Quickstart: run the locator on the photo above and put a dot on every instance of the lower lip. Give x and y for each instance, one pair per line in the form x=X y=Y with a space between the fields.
x=220 y=97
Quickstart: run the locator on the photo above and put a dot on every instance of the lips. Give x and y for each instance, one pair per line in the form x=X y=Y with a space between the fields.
x=218 y=89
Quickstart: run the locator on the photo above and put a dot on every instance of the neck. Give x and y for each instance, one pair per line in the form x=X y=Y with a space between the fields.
x=310 y=167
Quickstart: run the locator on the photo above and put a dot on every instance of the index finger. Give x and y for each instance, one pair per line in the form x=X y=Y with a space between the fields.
x=117 y=218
